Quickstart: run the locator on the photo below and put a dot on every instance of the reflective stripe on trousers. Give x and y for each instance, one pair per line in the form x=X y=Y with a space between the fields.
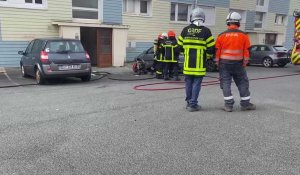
x=238 y=73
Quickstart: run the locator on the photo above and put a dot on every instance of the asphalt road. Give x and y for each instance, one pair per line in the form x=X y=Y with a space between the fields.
x=107 y=127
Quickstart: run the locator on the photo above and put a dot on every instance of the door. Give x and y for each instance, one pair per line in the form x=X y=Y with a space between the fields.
x=104 y=47
x=253 y=55
x=271 y=39
x=26 y=59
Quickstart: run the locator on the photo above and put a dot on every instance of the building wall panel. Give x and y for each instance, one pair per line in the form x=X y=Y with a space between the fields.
x=279 y=6
x=112 y=11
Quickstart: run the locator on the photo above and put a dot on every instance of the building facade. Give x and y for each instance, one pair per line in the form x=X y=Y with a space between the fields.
x=97 y=23
x=265 y=21
x=115 y=31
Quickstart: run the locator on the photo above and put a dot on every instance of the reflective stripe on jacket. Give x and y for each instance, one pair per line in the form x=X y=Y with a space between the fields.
x=232 y=45
x=171 y=51
x=197 y=42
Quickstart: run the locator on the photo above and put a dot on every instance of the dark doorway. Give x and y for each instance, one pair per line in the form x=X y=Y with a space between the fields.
x=89 y=41
x=270 y=39
x=104 y=47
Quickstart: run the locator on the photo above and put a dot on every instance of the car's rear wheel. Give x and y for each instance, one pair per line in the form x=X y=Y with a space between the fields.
x=39 y=77
x=24 y=74
x=86 y=78
x=210 y=66
x=268 y=62
x=281 y=64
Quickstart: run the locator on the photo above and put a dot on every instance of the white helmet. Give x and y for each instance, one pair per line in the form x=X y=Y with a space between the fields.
x=165 y=35
x=233 y=17
x=197 y=14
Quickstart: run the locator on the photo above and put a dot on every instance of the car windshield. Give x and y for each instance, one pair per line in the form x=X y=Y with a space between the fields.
x=64 y=47
x=280 y=48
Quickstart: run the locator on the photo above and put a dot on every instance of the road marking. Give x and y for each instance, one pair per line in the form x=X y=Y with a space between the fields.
x=10 y=78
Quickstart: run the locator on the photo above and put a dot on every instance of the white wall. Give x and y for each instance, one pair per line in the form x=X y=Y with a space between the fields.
x=69 y=32
x=119 y=46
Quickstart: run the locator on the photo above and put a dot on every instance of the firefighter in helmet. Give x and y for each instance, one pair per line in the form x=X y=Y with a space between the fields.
x=197 y=41
x=232 y=57
x=171 y=52
x=158 y=55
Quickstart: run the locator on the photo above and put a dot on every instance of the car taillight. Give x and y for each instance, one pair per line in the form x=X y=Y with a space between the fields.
x=44 y=57
x=87 y=56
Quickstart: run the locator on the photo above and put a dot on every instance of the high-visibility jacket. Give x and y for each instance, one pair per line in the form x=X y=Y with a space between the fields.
x=232 y=45
x=158 y=50
x=197 y=42
x=171 y=51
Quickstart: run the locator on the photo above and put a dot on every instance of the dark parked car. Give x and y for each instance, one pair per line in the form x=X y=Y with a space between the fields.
x=55 y=58
x=148 y=55
x=268 y=55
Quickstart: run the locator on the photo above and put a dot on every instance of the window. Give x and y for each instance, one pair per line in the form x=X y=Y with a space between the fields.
x=280 y=19
x=85 y=9
x=260 y=2
x=34 y=4
x=259 y=17
x=29 y=47
x=137 y=7
x=263 y=48
x=254 y=48
x=179 y=12
x=34 y=1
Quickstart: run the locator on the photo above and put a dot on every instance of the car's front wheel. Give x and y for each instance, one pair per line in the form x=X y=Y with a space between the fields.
x=86 y=78
x=268 y=62
x=24 y=74
x=39 y=77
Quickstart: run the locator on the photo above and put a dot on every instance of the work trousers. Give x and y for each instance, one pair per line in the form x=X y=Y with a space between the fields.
x=237 y=72
x=171 y=69
x=159 y=69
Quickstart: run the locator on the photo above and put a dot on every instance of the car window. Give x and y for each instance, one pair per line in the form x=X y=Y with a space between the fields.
x=264 y=48
x=280 y=48
x=36 y=48
x=29 y=47
x=254 y=48
x=64 y=46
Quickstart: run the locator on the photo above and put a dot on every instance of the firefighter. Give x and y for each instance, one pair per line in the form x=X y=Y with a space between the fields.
x=197 y=41
x=158 y=55
x=232 y=57
x=171 y=53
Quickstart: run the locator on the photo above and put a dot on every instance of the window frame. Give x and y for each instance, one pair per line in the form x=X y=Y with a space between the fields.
x=283 y=19
x=176 y=12
x=137 y=8
x=24 y=5
x=259 y=22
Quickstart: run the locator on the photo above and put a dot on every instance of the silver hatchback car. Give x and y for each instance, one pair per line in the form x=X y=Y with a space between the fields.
x=268 y=55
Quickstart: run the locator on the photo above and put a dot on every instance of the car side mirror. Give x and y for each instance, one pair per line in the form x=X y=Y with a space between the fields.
x=21 y=53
